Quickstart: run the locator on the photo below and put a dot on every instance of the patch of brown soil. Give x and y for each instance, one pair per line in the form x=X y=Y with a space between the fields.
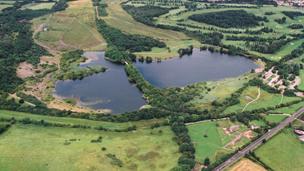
x=246 y=165
x=56 y=104
x=198 y=167
x=246 y=134
x=49 y=60
x=25 y=70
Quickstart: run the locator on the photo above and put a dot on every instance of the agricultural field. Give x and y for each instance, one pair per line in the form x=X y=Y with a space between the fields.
x=81 y=149
x=246 y=164
x=288 y=156
x=73 y=28
x=254 y=98
x=118 y=18
x=214 y=139
x=275 y=118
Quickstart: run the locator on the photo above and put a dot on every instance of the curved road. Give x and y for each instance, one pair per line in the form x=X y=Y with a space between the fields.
x=255 y=144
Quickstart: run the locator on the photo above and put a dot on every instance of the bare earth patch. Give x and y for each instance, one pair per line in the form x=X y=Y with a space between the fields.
x=57 y=104
x=247 y=165
x=25 y=70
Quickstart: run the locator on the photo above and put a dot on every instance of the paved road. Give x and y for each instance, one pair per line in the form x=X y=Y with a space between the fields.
x=259 y=141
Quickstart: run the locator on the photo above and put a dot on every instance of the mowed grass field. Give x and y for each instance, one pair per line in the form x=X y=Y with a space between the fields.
x=73 y=28
x=120 y=19
x=283 y=152
x=301 y=86
x=180 y=16
x=250 y=96
x=210 y=139
x=30 y=147
x=246 y=165
x=38 y=6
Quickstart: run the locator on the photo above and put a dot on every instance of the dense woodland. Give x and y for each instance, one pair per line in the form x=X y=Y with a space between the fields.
x=16 y=43
x=229 y=19
x=145 y=14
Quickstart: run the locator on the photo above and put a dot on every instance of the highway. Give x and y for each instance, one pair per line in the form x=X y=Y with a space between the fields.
x=255 y=144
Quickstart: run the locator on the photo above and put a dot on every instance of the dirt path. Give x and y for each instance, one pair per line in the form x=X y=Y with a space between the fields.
x=191 y=123
x=49 y=49
x=282 y=97
x=257 y=98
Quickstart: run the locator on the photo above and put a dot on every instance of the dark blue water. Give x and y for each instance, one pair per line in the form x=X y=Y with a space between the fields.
x=108 y=90
x=198 y=67
x=112 y=90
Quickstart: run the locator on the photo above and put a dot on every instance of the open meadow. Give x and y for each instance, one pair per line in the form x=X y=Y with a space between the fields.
x=73 y=28
x=29 y=147
x=118 y=18
x=255 y=98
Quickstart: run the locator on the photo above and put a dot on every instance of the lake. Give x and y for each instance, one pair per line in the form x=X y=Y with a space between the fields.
x=108 y=90
x=112 y=90
x=198 y=67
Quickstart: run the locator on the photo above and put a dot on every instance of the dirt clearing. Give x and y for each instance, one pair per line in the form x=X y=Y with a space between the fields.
x=246 y=165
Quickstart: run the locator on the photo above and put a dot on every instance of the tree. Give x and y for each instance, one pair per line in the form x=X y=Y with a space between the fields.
x=207 y=161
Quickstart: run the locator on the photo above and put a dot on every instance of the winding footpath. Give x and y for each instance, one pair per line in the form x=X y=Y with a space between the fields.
x=255 y=144
x=257 y=98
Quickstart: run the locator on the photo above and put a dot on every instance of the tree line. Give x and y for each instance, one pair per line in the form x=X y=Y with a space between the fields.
x=121 y=45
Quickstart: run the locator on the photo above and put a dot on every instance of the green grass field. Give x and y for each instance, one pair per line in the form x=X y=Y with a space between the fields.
x=73 y=28
x=219 y=90
x=65 y=120
x=3 y=6
x=265 y=100
x=283 y=152
x=275 y=118
x=210 y=139
x=120 y=19
x=290 y=109
x=180 y=16
x=27 y=147
x=301 y=86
